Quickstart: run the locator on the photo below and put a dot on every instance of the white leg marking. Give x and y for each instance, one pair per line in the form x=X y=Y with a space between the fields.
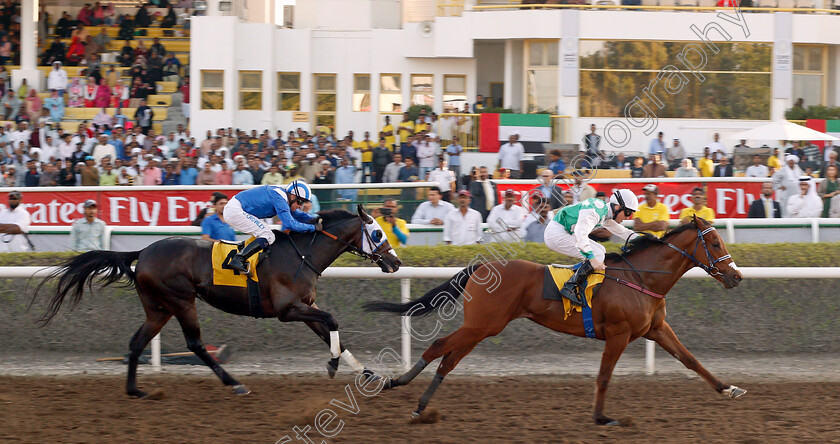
x=335 y=347
x=352 y=361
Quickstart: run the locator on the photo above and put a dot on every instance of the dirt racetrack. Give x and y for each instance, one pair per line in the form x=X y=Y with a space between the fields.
x=194 y=409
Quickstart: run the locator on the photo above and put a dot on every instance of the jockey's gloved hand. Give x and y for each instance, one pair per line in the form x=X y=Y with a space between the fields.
x=318 y=225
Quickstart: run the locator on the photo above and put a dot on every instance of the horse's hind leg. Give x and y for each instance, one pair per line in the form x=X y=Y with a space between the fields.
x=155 y=320
x=450 y=360
x=667 y=339
x=189 y=325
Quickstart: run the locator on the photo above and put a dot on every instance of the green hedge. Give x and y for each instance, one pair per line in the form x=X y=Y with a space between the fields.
x=746 y=255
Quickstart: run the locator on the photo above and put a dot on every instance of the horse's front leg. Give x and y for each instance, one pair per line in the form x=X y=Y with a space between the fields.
x=612 y=351
x=665 y=337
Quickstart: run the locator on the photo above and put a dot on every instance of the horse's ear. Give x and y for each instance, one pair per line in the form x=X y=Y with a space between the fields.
x=363 y=214
x=696 y=221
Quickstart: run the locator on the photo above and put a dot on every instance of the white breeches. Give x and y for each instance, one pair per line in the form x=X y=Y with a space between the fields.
x=246 y=223
x=557 y=239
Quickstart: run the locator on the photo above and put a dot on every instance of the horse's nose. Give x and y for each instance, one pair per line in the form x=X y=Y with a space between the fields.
x=398 y=262
x=738 y=277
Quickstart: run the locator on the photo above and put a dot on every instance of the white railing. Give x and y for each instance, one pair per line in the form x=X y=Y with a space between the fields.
x=406 y=274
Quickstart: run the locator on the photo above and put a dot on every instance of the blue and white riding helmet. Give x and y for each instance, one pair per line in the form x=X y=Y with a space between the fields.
x=299 y=188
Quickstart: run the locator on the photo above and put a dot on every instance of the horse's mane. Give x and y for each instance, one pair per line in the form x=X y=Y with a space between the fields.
x=642 y=243
x=328 y=218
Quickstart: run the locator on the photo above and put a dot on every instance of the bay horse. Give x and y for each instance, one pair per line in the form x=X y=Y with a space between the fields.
x=173 y=272
x=496 y=293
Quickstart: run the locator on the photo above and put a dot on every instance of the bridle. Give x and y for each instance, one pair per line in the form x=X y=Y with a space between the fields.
x=710 y=269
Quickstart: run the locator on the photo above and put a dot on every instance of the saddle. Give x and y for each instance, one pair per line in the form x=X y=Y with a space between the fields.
x=556 y=275
x=223 y=274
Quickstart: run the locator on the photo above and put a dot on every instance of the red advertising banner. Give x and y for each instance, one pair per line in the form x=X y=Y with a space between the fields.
x=727 y=199
x=172 y=206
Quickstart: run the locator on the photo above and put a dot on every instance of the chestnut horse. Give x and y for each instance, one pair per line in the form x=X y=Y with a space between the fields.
x=172 y=273
x=496 y=293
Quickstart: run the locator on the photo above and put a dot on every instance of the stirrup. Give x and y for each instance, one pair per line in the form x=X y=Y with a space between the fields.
x=577 y=299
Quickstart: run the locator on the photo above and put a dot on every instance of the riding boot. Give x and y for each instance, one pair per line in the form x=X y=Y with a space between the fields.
x=574 y=288
x=239 y=261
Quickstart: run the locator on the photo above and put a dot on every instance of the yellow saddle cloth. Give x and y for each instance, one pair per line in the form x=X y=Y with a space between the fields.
x=559 y=276
x=222 y=273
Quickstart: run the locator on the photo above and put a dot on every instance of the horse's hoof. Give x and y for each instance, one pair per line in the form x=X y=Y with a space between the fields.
x=241 y=390
x=332 y=367
x=370 y=376
x=139 y=394
x=733 y=392
x=607 y=421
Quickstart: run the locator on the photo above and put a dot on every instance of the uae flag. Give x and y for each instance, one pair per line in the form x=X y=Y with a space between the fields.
x=830 y=127
x=533 y=130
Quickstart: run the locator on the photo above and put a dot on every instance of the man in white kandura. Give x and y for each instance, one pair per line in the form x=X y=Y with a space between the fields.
x=568 y=233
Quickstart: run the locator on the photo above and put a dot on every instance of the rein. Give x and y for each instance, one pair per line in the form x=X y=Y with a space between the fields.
x=710 y=269
x=373 y=257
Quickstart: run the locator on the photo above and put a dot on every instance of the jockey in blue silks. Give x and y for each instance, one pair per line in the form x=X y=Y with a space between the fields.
x=244 y=211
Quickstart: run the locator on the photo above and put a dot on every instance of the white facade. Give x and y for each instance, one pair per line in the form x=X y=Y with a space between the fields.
x=359 y=37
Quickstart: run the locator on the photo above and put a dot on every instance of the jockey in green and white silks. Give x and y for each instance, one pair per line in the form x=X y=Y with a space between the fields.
x=568 y=233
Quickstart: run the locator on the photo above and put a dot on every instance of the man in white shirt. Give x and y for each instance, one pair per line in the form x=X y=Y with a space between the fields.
x=462 y=226
x=102 y=149
x=757 y=169
x=426 y=154
x=445 y=179
x=21 y=134
x=675 y=154
x=57 y=79
x=510 y=156
x=716 y=148
x=393 y=169
x=507 y=219
x=657 y=146
x=14 y=224
x=433 y=210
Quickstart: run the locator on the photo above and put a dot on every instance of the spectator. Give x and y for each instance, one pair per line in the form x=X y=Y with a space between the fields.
x=426 y=154
x=107 y=178
x=796 y=151
x=408 y=173
x=10 y=106
x=89 y=172
x=14 y=224
x=508 y=220
x=454 y=151
x=553 y=194
x=580 y=190
x=675 y=154
x=142 y=19
x=143 y=117
x=657 y=146
x=653 y=216
x=185 y=100
x=445 y=179
x=637 y=171
x=273 y=176
x=831 y=159
x=433 y=210
x=170 y=175
x=765 y=206
x=462 y=226
x=787 y=181
x=157 y=48
x=242 y=176
x=483 y=193
x=346 y=174
x=33 y=176
x=686 y=169
x=774 y=161
x=365 y=147
x=724 y=169
x=828 y=190
x=57 y=79
x=223 y=177
x=654 y=167
x=169 y=19
x=88 y=233
x=591 y=149
x=152 y=175
x=381 y=157
x=535 y=231
x=49 y=176
x=405 y=130
x=479 y=104
x=213 y=226
x=33 y=106
x=395 y=228
x=699 y=208
x=756 y=169
x=807 y=203
x=387 y=132
x=510 y=156
x=103 y=149
x=55 y=106
x=556 y=165
x=706 y=165
x=392 y=171
x=717 y=148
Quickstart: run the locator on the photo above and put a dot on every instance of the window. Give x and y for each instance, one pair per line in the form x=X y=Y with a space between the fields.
x=324 y=99
x=541 y=75
x=212 y=89
x=421 y=90
x=809 y=76
x=250 y=90
x=454 y=93
x=390 y=93
x=288 y=91
x=361 y=92
x=737 y=81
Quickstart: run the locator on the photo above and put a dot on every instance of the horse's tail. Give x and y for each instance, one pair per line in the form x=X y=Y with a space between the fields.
x=450 y=290
x=81 y=270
